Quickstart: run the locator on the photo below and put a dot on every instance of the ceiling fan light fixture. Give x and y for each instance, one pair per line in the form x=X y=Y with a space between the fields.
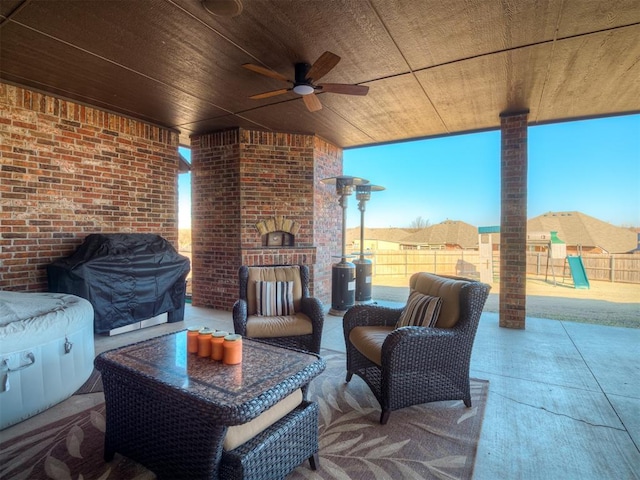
x=303 y=89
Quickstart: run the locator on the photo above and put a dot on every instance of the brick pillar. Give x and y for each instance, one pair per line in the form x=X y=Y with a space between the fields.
x=215 y=218
x=247 y=181
x=513 y=221
x=327 y=216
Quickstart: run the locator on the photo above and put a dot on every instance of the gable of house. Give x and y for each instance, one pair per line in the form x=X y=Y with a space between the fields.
x=576 y=228
x=448 y=233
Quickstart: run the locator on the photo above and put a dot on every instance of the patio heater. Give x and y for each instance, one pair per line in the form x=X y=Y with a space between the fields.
x=343 y=273
x=364 y=265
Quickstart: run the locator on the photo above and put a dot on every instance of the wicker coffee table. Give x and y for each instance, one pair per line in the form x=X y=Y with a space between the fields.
x=170 y=410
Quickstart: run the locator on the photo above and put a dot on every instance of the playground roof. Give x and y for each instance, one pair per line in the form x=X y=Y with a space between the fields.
x=433 y=68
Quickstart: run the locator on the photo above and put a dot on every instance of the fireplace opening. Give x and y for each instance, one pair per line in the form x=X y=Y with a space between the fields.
x=278 y=239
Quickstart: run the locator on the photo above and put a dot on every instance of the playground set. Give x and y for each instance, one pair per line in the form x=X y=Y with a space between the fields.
x=549 y=241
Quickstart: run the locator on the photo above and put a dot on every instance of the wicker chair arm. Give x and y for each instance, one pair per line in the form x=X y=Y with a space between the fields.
x=240 y=317
x=405 y=345
x=369 y=316
x=312 y=308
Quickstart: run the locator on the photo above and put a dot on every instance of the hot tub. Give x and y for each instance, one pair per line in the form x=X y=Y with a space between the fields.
x=46 y=351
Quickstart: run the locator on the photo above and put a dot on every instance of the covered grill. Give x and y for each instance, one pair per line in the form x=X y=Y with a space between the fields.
x=128 y=278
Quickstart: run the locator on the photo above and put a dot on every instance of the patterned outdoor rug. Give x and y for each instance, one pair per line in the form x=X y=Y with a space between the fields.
x=432 y=441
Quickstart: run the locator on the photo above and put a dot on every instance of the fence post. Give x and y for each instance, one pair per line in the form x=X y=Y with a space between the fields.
x=406 y=263
x=612 y=267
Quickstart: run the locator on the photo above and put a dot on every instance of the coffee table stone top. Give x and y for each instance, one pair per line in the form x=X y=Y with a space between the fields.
x=236 y=393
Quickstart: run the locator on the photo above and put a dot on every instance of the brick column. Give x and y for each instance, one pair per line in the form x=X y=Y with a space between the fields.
x=245 y=178
x=513 y=221
x=215 y=218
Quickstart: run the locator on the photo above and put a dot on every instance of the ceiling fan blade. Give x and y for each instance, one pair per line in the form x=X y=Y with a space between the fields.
x=344 y=88
x=312 y=102
x=322 y=66
x=272 y=93
x=266 y=72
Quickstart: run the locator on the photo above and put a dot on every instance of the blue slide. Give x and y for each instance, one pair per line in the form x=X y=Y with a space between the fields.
x=578 y=272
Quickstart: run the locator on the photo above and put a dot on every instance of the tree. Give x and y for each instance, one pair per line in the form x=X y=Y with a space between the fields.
x=419 y=223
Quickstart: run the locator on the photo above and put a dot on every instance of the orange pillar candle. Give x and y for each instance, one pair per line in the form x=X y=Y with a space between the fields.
x=232 y=349
x=217 y=339
x=204 y=343
x=192 y=339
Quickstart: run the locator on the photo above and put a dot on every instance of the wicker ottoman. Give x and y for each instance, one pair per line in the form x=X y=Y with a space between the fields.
x=274 y=453
x=170 y=411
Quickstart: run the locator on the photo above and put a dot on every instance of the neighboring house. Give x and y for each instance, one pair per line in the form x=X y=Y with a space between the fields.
x=447 y=235
x=377 y=238
x=585 y=234
x=581 y=234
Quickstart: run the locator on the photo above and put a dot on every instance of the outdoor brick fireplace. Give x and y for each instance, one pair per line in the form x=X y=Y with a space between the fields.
x=257 y=199
x=278 y=231
x=278 y=247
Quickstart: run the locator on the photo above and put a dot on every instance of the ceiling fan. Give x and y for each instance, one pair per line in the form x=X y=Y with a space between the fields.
x=305 y=79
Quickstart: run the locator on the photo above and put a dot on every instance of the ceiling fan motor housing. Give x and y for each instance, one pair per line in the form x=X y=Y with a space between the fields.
x=302 y=85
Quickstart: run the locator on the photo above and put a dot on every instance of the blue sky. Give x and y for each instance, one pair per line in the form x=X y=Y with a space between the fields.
x=591 y=166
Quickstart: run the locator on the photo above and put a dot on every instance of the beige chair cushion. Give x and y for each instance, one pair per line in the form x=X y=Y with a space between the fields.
x=239 y=434
x=369 y=340
x=445 y=288
x=272 y=274
x=278 y=326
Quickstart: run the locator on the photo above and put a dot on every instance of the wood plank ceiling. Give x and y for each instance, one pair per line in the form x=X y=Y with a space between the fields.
x=433 y=67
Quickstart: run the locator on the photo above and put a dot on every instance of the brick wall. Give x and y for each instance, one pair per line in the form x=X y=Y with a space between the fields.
x=68 y=170
x=243 y=177
x=513 y=222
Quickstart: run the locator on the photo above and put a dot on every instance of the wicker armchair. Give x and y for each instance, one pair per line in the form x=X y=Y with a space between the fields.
x=302 y=330
x=411 y=365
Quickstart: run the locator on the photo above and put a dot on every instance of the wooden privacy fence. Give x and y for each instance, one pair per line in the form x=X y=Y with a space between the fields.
x=616 y=267
x=623 y=268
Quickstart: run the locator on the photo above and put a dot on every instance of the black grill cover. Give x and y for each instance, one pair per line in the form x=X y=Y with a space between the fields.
x=126 y=277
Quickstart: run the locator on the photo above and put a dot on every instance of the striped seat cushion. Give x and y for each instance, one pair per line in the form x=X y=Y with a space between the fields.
x=421 y=311
x=274 y=298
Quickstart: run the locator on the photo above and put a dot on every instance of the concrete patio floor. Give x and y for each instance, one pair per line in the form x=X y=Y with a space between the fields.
x=564 y=397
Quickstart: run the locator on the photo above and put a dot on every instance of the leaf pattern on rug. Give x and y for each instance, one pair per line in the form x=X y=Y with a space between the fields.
x=56 y=469
x=432 y=441
x=61 y=450
x=424 y=441
x=98 y=421
x=74 y=440
x=471 y=412
x=43 y=444
x=34 y=445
